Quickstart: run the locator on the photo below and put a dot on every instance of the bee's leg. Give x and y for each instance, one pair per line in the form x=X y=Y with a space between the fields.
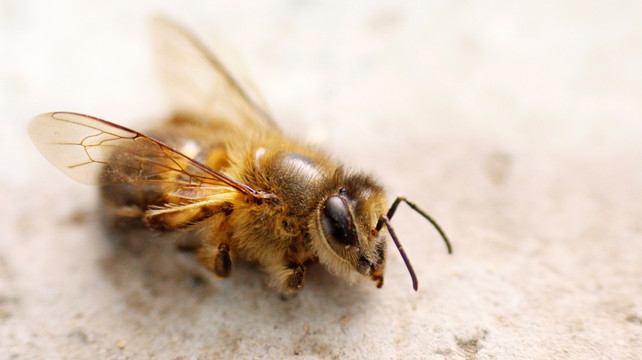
x=296 y=276
x=216 y=257
x=288 y=276
x=223 y=262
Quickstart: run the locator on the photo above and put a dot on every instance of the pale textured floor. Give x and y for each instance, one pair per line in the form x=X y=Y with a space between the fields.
x=517 y=125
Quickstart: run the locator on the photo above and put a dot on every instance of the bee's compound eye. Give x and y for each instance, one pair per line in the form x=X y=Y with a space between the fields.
x=337 y=222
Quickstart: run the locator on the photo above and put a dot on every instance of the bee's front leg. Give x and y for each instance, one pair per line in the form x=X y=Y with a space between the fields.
x=295 y=276
x=289 y=275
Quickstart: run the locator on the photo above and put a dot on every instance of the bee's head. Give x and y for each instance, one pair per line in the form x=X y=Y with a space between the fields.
x=345 y=238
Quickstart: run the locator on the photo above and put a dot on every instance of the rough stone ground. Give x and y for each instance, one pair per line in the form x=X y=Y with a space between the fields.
x=516 y=124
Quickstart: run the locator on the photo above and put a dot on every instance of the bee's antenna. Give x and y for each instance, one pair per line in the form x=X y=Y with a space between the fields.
x=393 y=209
x=384 y=220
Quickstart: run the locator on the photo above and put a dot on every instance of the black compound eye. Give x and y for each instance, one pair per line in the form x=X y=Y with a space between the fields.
x=337 y=222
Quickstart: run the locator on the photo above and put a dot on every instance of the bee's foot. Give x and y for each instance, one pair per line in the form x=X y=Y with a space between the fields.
x=222 y=261
x=295 y=280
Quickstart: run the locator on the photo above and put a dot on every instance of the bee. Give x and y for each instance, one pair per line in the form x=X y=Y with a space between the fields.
x=222 y=169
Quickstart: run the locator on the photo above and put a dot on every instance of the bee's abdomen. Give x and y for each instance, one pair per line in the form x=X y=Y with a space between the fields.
x=129 y=198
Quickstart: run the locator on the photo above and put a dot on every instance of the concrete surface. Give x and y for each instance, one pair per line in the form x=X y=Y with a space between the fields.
x=516 y=124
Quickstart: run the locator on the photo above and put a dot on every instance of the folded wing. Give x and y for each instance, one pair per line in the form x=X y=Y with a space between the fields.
x=97 y=152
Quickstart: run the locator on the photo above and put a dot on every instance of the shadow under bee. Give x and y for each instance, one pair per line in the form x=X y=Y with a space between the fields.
x=148 y=265
x=145 y=267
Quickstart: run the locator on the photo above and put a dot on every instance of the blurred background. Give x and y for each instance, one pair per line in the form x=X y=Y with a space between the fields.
x=516 y=124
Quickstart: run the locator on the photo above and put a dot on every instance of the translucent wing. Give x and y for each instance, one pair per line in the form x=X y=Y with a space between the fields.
x=199 y=84
x=97 y=152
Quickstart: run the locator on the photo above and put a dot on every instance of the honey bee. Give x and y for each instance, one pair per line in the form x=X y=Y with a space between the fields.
x=222 y=168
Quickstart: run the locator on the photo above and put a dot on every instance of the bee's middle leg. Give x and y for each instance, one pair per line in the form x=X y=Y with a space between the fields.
x=217 y=258
x=223 y=262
